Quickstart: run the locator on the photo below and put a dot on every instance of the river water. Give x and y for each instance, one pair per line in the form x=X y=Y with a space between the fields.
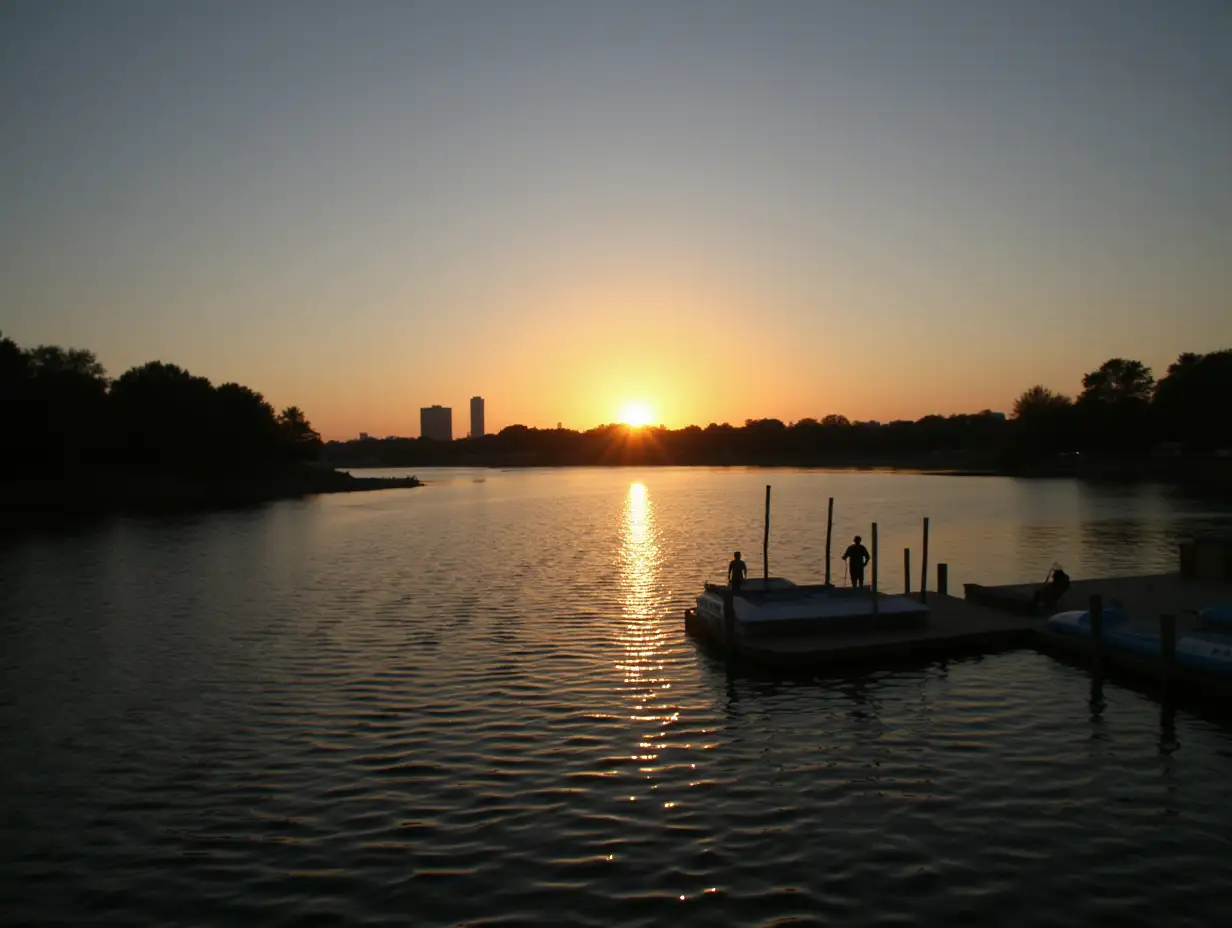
x=474 y=703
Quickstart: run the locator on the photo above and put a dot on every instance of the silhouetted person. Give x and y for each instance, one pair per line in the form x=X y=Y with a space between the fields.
x=737 y=570
x=856 y=557
x=1051 y=592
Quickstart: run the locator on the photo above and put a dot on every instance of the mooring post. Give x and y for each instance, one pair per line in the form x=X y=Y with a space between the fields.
x=943 y=579
x=1167 y=645
x=906 y=571
x=1097 y=627
x=924 y=565
x=829 y=529
x=729 y=624
x=765 y=540
x=876 y=607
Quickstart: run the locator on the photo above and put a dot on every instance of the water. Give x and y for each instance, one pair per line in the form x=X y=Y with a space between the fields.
x=474 y=703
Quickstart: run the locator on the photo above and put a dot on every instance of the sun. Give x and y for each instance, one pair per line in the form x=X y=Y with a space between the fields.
x=636 y=414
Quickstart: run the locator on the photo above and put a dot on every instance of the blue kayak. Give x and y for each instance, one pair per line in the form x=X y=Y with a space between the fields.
x=1117 y=635
x=1208 y=651
x=1217 y=617
x=1078 y=621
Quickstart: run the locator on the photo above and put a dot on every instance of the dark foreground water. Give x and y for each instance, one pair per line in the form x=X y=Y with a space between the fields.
x=474 y=703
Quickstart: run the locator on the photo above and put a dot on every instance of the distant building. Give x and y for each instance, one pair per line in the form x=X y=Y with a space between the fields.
x=364 y=436
x=477 y=417
x=436 y=422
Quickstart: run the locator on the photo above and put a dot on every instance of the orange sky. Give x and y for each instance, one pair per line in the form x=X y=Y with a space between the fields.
x=778 y=210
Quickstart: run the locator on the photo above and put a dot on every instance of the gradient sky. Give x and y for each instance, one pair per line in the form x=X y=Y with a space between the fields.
x=727 y=210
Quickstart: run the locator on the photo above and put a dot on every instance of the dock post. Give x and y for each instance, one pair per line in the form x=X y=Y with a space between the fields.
x=906 y=571
x=924 y=565
x=829 y=529
x=1097 y=627
x=729 y=624
x=876 y=607
x=1167 y=645
x=943 y=579
x=765 y=540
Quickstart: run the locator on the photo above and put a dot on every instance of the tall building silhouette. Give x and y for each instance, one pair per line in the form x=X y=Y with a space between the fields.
x=477 y=417
x=436 y=422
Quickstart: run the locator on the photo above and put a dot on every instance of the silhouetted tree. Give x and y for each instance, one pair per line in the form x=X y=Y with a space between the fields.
x=1193 y=403
x=1043 y=424
x=1118 y=381
x=61 y=419
x=163 y=418
x=1040 y=402
x=1113 y=410
x=303 y=440
x=245 y=433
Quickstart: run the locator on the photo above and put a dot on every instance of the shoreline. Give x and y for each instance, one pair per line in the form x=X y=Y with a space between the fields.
x=119 y=494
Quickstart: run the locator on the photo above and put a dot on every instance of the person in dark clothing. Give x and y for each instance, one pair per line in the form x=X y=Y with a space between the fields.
x=1051 y=592
x=856 y=557
x=737 y=570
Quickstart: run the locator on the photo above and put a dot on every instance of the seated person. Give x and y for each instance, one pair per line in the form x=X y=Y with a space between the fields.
x=1051 y=592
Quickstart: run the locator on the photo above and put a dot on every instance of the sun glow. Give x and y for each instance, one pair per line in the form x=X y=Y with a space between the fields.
x=636 y=414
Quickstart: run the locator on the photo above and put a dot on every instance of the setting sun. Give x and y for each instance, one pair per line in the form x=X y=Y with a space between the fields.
x=636 y=414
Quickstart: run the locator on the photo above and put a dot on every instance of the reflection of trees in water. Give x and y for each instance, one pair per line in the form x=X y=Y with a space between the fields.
x=1116 y=545
x=1121 y=528
x=1042 y=545
x=1095 y=530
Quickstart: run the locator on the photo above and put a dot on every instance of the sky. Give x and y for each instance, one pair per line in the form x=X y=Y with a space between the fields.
x=720 y=210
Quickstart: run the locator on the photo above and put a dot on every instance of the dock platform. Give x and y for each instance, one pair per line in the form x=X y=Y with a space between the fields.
x=954 y=627
x=1144 y=597
x=998 y=618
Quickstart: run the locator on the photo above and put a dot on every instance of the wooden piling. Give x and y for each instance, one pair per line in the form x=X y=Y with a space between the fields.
x=876 y=607
x=943 y=579
x=829 y=530
x=924 y=565
x=1097 y=627
x=765 y=540
x=1167 y=645
x=906 y=571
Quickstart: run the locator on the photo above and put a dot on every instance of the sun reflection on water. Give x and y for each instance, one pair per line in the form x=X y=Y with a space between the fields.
x=643 y=634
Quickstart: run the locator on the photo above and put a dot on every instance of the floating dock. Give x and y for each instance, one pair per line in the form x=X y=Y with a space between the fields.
x=1161 y=609
x=954 y=626
x=999 y=618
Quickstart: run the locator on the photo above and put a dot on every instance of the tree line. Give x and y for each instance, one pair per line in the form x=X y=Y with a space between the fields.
x=1121 y=410
x=62 y=417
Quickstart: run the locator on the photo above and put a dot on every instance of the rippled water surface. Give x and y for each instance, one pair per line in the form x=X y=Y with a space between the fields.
x=474 y=703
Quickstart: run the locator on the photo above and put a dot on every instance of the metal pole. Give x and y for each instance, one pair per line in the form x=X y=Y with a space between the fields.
x=906 y=571
x=924 y=566
x=829 y=529
x=765 y=541
x=943 y=579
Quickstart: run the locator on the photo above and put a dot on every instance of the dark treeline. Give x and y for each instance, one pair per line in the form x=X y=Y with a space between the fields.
x=62 y=418
x=1121 y=411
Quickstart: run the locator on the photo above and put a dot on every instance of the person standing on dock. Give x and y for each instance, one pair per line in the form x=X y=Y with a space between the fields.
x=737 y=570
x=856 y=557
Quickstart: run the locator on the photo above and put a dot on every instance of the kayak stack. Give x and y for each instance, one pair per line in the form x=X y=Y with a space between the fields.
x=1207 y=649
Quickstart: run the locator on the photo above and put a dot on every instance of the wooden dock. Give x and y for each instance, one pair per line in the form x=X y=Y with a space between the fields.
x=1145 y=598
x=991 y=619
x=954 y=627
